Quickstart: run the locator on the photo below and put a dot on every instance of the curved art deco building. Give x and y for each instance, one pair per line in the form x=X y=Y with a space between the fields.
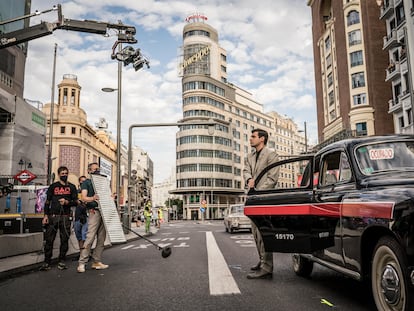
x=209 y=167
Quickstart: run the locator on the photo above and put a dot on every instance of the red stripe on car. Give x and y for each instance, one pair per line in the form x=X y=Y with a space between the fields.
x=348 y=209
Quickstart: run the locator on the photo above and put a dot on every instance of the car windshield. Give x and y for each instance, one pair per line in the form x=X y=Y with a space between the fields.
x=387 y=156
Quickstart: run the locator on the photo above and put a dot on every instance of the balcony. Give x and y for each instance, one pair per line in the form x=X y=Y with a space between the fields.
x=393 y=71
x=405 y=99
x=394 y=106
x=387 y=9
x=390 y=40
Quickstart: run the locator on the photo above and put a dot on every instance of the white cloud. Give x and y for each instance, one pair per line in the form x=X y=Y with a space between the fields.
x=269 y=47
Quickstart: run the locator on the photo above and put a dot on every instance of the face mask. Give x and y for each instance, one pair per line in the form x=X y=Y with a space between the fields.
x=97 y=172
x=64 y=178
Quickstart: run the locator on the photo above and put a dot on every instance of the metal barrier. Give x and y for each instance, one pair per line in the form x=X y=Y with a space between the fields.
x=20 y=223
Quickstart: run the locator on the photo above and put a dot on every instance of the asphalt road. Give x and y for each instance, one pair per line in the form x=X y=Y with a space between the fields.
x=206 y=271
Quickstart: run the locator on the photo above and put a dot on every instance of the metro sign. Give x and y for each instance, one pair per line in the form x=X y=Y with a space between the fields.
x=24 y=176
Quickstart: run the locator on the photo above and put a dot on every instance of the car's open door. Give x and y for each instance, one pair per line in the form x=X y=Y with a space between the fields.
x=286 y=216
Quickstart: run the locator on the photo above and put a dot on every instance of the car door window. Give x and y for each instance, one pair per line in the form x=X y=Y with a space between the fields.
x=335 y=168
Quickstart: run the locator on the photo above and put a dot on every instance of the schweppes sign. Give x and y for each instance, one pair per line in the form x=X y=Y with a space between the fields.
x=196 y=57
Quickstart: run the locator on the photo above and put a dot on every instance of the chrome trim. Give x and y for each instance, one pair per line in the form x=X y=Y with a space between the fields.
x=353 y=274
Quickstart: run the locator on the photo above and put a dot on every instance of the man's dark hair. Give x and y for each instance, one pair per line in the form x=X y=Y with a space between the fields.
x=262 y=133
x=93 y=163
x=83 y=176
x=62 y=168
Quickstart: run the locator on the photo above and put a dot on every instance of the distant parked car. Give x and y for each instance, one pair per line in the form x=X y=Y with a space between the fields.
x=235 y=219
x=349 y=207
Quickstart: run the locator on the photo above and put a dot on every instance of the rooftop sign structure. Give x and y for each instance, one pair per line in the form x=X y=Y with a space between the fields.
x=195 y=18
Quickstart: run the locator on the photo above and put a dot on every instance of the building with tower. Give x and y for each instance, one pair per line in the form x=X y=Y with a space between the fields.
x=209 y=167
x=75 y=143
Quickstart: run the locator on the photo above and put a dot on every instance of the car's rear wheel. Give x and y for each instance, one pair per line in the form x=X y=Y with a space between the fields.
x=389 y=277
x=301 y=265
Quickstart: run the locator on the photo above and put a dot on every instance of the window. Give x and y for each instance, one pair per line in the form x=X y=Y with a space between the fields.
x=399 y=12
x=72 y=98
x=73 y=130
x=223 y=68
x=223 y=57
x=330 y=79
x=65 y=97
x=409 y=116
x=361 y=129
x=62 y=130
x=358 y=80
x=328 y=61
x=354 y=37
x=328 y=44
x=401 y=123
x=335 y=168
x=356 y=58
x=352 y=18
x=331 y=98
x=360 y=99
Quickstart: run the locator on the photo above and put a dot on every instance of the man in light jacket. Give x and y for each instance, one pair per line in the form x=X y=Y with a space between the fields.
x=255 y=162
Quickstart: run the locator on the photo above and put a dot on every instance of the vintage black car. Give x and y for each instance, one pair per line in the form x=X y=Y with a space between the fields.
x=349 y=207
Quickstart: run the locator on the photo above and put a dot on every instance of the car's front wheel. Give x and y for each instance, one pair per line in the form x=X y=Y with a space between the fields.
x=389 y=280
x=301 y=265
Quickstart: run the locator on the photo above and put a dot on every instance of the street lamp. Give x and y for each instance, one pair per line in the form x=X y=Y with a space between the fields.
x=118 y=131
x=211 y=127
x=306 y=136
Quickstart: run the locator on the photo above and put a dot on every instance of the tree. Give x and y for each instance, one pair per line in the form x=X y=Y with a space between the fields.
x=176 y=202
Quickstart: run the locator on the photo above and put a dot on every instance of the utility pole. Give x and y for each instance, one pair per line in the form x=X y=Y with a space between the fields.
x=51 y=114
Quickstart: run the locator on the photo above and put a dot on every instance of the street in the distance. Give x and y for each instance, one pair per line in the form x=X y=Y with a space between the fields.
x=139 y=278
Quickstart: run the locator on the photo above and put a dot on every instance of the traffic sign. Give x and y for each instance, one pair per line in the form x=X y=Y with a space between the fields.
x=202 y=209
x=24 y=176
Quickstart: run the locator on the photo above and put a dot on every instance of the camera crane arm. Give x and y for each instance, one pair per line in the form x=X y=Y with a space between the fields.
x=125 y=33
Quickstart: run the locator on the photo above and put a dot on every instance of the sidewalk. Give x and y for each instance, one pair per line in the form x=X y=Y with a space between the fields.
x=30 y=261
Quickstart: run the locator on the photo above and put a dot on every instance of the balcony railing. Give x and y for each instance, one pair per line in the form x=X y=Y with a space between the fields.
x=390 y=40
x=392 y=71
x=394 y=105
x=387 y=8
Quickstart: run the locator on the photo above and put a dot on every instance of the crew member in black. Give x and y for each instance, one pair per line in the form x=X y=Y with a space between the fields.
x=61 y=196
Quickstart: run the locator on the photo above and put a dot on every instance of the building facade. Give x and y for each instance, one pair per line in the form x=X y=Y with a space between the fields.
x=398 y=42
x=209 y=167
x=22 y=125
x=142 y=178
x=351 y=92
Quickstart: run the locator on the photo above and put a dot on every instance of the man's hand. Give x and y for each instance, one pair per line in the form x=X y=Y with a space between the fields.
x=250 y=183
x=45 y=220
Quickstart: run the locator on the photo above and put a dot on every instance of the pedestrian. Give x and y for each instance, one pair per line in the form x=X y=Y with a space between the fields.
x=147 y=215
x=60 y=197
x=160 y=217
x=96 y=227
x=81 y=217
x=255 y=162
x=155 y=217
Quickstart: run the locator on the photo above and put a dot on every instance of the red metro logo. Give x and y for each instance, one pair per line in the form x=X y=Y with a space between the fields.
x=24 y=176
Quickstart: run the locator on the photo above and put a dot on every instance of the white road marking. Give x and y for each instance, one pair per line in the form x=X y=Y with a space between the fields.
x=221 y=281
x=182 y=244
x=129 y=246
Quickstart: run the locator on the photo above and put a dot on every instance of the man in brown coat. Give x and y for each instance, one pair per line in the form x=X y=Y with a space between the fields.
x=254 y=164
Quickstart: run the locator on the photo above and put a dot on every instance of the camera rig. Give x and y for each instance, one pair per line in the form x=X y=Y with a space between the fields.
x=125 y=34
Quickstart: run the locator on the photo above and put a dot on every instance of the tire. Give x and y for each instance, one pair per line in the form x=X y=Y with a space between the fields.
x=231 y=230
x=302 y=266
x=389 y=265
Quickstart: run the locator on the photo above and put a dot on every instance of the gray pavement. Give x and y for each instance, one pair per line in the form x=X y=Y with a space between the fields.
x=12 y=265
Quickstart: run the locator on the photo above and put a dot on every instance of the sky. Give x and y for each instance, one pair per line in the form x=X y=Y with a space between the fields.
x=269 y=54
